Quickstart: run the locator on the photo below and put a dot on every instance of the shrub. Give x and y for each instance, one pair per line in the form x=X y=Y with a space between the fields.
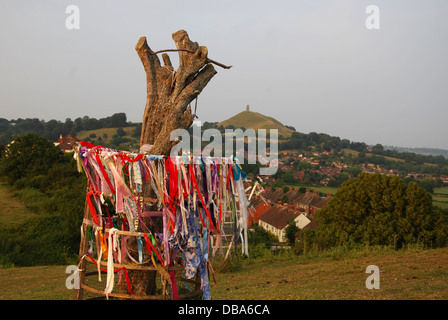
x=377 y=209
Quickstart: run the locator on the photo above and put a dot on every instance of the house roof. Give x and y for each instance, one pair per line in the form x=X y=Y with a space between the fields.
x=309 y=198
x=292 y=195
x=321 y=203
x=257 y=211
x=273 y=195
x=278 y=216
x=67 y=143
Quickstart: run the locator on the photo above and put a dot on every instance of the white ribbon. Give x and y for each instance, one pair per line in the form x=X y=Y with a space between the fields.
x=113 y=245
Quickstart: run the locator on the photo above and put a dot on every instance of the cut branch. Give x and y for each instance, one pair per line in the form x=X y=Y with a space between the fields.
x=219 y=64
x=190 y=51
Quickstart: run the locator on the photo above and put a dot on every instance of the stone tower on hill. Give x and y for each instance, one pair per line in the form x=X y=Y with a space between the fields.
x=247 y=108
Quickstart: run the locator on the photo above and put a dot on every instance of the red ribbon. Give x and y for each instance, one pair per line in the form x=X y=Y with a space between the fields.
x=174 y=292
x=92 y=208
x=202 y=200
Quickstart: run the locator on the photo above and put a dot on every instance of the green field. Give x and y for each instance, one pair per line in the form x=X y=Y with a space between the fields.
x=441 y=191
x=105 y=133
x=440 y=197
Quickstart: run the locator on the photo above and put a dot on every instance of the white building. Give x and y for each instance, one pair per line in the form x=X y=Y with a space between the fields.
x=275 y=220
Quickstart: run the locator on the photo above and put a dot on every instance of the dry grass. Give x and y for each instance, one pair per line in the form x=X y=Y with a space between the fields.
x=405 y=275
x=34 y=283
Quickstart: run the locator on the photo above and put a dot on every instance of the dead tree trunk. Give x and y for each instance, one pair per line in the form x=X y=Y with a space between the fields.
x=169 y=94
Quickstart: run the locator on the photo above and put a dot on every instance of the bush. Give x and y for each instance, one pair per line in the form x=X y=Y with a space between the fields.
x=28 y=156
x=379 y=210
x=53 y=188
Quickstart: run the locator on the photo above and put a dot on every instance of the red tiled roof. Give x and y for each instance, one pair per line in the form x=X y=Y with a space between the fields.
x=67 y=143
x=257 y=212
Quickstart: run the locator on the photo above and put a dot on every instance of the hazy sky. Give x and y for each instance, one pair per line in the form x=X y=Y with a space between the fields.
x=310 y=64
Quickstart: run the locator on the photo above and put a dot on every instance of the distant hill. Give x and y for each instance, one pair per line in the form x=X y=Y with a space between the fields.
x=424 y=151
x=255 y=120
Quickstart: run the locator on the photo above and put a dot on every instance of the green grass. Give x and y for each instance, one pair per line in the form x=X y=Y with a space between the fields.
x=441 y=201
x=408 y=274
x=441 y=190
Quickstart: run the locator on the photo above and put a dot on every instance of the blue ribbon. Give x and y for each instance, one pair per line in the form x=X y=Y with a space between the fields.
x=237 y=172
x=205 y=244
x=140 y=244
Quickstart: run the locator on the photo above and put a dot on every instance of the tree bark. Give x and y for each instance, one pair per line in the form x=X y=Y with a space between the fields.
x=170 y=92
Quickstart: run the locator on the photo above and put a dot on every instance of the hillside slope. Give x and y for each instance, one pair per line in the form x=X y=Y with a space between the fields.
x=255 y=120
x=405 y=275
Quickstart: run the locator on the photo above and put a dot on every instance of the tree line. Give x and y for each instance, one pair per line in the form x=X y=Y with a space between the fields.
x=323 y=142
x=52 y=129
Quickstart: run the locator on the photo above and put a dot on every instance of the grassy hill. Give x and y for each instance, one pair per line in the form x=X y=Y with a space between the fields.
x=410 y=274
x=108 y=137
x=255 y=120
x=356 y=153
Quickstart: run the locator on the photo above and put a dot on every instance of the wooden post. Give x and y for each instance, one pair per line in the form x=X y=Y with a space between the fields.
x=83 y=247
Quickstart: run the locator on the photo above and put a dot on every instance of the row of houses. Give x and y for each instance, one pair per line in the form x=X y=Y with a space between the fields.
x=420 y=176
x=273 y=215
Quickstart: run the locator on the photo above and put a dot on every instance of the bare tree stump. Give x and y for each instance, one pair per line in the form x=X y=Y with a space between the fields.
x=169 y=94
